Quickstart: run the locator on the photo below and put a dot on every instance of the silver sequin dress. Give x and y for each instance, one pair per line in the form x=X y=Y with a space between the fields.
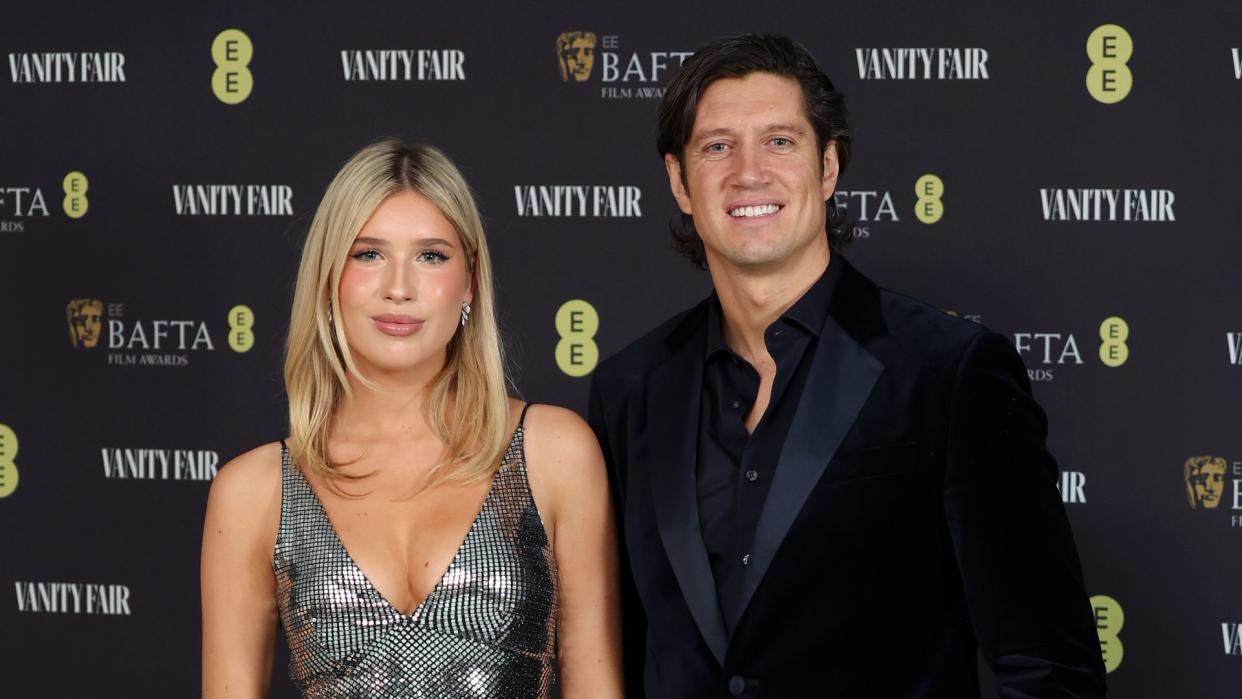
x=487 y=629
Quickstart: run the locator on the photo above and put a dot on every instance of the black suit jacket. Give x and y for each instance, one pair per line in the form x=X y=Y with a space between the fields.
x=913 y=518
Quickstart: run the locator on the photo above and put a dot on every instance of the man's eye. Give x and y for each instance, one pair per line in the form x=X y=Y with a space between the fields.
x=781 y=141
x=716 y=148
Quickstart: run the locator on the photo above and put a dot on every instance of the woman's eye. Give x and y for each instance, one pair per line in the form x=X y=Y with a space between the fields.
x=435 y=257
x=368 y=255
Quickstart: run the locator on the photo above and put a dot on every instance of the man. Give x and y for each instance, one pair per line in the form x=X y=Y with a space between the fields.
x=827 y=489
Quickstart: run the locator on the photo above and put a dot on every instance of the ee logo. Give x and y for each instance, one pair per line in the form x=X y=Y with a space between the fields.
x=576 y=323
x=232 y=81
x=8 y=467
x=929 y=188
x=1108 y=622
x=241 y=320
x=1114 y=332
x=75 y=203
x=1109 y=79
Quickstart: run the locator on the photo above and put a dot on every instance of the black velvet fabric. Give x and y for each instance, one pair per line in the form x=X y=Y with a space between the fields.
x=914 y=520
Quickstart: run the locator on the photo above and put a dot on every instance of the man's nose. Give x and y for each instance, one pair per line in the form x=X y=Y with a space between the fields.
x=750 y=166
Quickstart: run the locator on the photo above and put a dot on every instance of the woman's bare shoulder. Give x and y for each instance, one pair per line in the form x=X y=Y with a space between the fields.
x=563 y=459
x=559 y=432
x=249 y=484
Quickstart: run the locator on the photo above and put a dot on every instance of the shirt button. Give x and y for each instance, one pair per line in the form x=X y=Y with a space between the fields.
x=752 y=475
x=737 y=685
x=746 y=560
x=736 y=404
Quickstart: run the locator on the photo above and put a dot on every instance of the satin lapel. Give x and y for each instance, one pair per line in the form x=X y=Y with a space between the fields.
x=674 y=392
x=837 y=387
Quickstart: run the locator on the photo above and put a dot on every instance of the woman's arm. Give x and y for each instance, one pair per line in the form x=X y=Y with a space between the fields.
x=238 y=586
x=570 y=485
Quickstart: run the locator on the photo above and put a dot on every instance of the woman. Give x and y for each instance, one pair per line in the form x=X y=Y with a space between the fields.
x=420 y=534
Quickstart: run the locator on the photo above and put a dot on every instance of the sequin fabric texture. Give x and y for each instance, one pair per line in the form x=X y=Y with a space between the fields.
x=487 y=629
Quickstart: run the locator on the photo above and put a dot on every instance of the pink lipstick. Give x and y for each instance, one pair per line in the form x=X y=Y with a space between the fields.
x=397 y=324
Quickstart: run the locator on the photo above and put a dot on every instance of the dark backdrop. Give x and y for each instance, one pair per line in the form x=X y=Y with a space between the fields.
x=99 y=553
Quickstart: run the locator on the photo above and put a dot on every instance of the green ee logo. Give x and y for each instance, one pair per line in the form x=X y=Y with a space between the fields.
x=576 y=324
x=1109 y=79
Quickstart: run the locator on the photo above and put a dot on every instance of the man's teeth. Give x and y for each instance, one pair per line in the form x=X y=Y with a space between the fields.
x=762 y=210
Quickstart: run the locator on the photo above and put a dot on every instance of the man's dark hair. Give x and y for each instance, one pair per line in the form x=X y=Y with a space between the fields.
x=737 y=57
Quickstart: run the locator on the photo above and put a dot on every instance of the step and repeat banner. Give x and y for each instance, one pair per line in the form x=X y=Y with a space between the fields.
x=1066 y=175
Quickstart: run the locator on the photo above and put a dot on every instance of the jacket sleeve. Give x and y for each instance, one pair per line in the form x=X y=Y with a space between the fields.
x=634 y=620
x=1012 y=540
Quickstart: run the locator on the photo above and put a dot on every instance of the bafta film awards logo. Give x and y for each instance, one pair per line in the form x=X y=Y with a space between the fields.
x=22 y=204
x=1209 y=480
x=140 y=340
x=866 y=207
x=1048 y=353
x=575 y=52
x=85 y=318
x=1205 y=481
x=623 y=73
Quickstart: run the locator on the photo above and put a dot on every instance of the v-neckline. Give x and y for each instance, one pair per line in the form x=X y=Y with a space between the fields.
x=340 y=544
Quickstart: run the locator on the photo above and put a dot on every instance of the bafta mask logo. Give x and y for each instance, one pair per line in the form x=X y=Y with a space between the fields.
x=1205 y=481
x=85 y=318
x=575 y=51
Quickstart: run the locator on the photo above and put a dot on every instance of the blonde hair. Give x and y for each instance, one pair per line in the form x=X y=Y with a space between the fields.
x=467 y=403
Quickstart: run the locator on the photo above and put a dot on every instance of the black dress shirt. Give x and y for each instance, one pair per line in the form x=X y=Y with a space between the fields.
x=735 y=468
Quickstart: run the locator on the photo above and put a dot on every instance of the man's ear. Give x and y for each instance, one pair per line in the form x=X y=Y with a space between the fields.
x=677 y=184
x=832 y=168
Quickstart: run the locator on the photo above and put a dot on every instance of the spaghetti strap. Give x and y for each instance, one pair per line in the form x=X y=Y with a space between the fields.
x=522 y=418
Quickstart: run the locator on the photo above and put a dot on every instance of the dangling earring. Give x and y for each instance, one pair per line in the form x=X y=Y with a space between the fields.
x=465 y=313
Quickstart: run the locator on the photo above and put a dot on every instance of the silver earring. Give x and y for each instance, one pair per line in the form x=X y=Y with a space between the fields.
x=465 y=313
x=329 y=315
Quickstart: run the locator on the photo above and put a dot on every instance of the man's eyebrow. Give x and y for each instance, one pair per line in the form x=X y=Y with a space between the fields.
x=711 y=133
x=788 y=126
x=791 y=127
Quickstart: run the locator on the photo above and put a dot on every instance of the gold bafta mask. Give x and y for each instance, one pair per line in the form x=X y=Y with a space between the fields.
x=1205 y=481
x=575 y=51
x=85 y=318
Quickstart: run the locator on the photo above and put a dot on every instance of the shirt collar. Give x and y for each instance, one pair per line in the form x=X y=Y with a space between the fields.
x=809 y=312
